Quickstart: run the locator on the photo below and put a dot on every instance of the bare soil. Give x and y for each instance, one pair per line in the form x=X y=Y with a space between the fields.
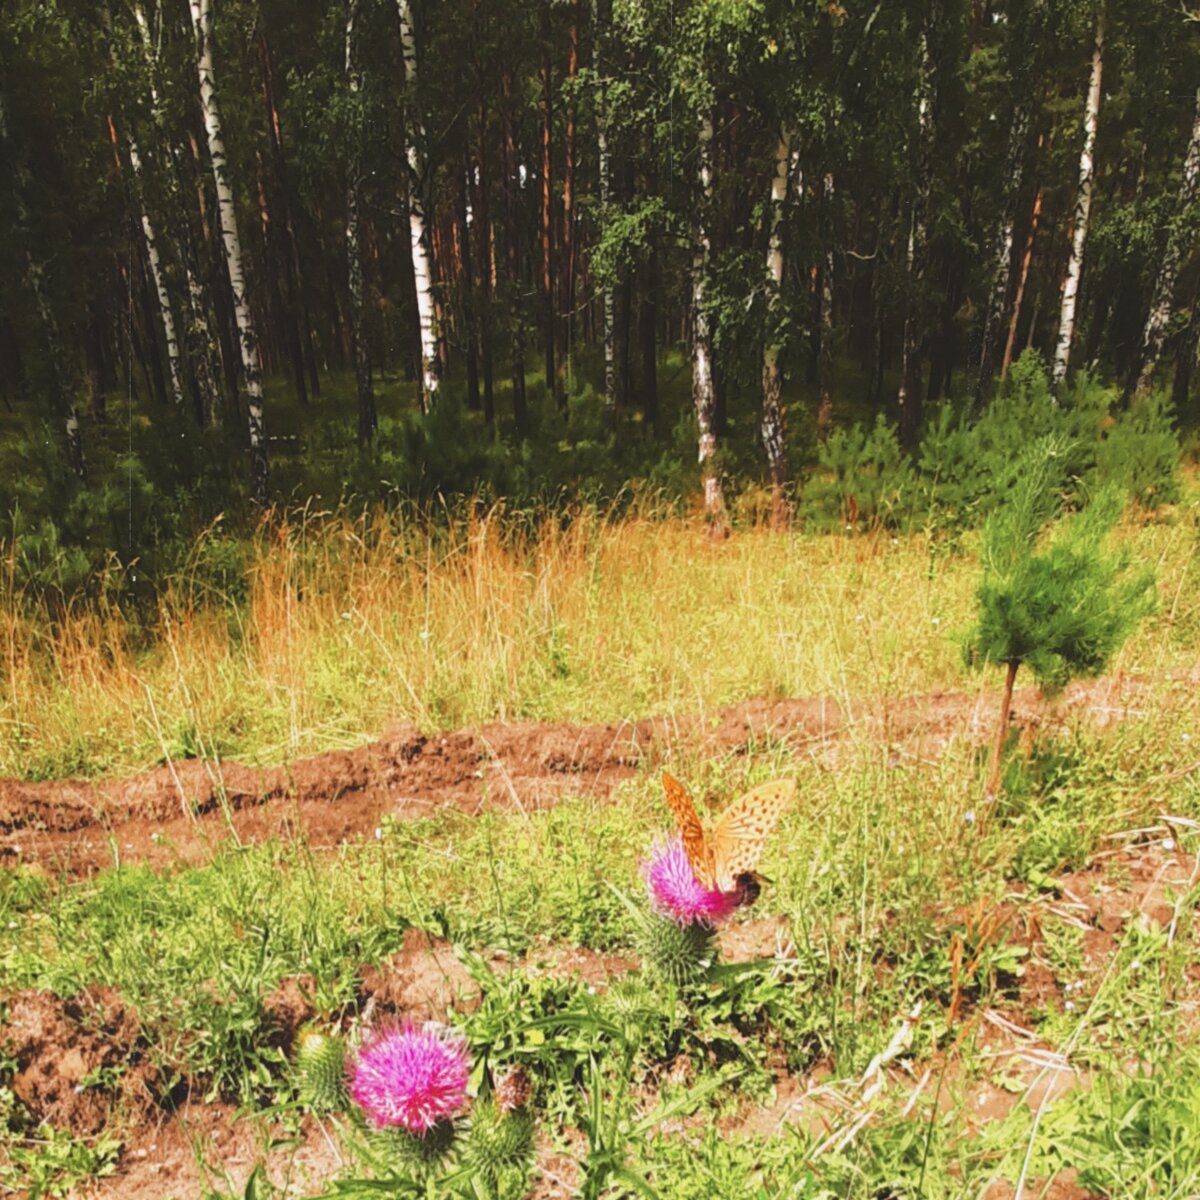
x=178 y=812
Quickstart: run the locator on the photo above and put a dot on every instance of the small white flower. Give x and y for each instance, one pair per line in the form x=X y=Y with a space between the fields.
x=1187 y=737
x=1136 y=965
x=378 y=833
x=1069 y=1006
x=860 y=617
x=346 y=616
x=12 y=924
x=1168 y=844
x=895 y=541
x=935 y=620
x=969 y=816
x=424 y=635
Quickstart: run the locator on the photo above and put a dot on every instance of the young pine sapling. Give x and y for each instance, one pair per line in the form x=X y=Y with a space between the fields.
x=1059 y=601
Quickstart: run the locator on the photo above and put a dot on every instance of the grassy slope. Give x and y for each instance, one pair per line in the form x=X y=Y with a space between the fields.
x=874 y=868
x=349 y=624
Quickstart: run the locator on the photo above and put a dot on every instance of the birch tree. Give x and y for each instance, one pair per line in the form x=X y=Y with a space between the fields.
x=230 y=240
x=199 y=343
x=157 y=274
x=917 y=247
x=1083 y=208
x=354 y=268
x=771 y=421
x=703 y=393
x=414 y=133
x=1159 y=317
x=601 y=18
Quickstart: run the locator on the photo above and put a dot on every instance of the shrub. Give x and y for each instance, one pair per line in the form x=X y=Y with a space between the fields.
x=1064 y=609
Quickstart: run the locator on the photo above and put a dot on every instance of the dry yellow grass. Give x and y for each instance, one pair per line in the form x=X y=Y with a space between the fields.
x=350 y=623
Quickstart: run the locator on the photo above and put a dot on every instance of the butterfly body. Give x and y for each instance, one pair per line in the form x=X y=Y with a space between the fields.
x=725 y=856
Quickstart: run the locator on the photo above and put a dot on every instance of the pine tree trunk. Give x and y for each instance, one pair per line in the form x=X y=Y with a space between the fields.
x=1001 y=735
x=601 y=19
x=1083 y=209
x=418 y=235
x=648 y=338
x=466 y=284
x=512 y=242
x=703 y=392
x=547 y=231
x=567 y=274
x=486 y=268
x=825 y=353
x=1026 y=258
x=354 y=267
x=227 y=217
x=1018 y=133
x=1168 y=268
x=771 y=418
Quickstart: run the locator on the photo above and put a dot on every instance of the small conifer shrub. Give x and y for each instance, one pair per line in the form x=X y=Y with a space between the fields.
x=1058 y=600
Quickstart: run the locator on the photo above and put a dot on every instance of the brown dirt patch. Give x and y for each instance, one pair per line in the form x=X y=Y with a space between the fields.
x=179 y=812
x=79 y=1061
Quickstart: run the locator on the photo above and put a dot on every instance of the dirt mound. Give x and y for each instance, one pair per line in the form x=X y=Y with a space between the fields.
x=78 y=1060
x=179 y=812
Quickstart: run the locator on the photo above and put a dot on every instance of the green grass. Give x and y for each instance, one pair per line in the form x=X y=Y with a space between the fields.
x=876 y=868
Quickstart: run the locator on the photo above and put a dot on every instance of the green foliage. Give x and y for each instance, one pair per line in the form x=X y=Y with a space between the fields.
x=1063 y=608
x=52 y=1162
x=869 y=480
x=1141 y=452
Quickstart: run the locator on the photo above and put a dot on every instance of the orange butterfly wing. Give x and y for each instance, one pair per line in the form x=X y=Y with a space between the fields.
x=737 y=841
x=691 y=828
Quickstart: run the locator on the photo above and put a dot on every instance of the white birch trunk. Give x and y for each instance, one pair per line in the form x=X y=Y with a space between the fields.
x=199 y=338
x=1083 y=209
x=354 y=269
x=422 y=266
x=165 y=312
x=1168 y=269
x=600 y=34
x=771 y=423
x=703 y=394
x=227 y=221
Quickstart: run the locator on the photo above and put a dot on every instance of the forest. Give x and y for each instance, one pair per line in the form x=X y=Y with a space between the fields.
x=383 y=250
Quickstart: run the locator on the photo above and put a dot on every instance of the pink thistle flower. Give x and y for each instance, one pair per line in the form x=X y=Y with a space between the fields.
x=677 y=893
x=411 y=1077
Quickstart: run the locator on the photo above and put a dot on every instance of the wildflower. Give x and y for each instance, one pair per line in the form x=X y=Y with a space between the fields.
x=412 y=1078
x=677 y=893
x=969 y=816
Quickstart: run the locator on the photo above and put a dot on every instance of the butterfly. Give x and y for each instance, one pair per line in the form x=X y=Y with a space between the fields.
x=726 y=856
